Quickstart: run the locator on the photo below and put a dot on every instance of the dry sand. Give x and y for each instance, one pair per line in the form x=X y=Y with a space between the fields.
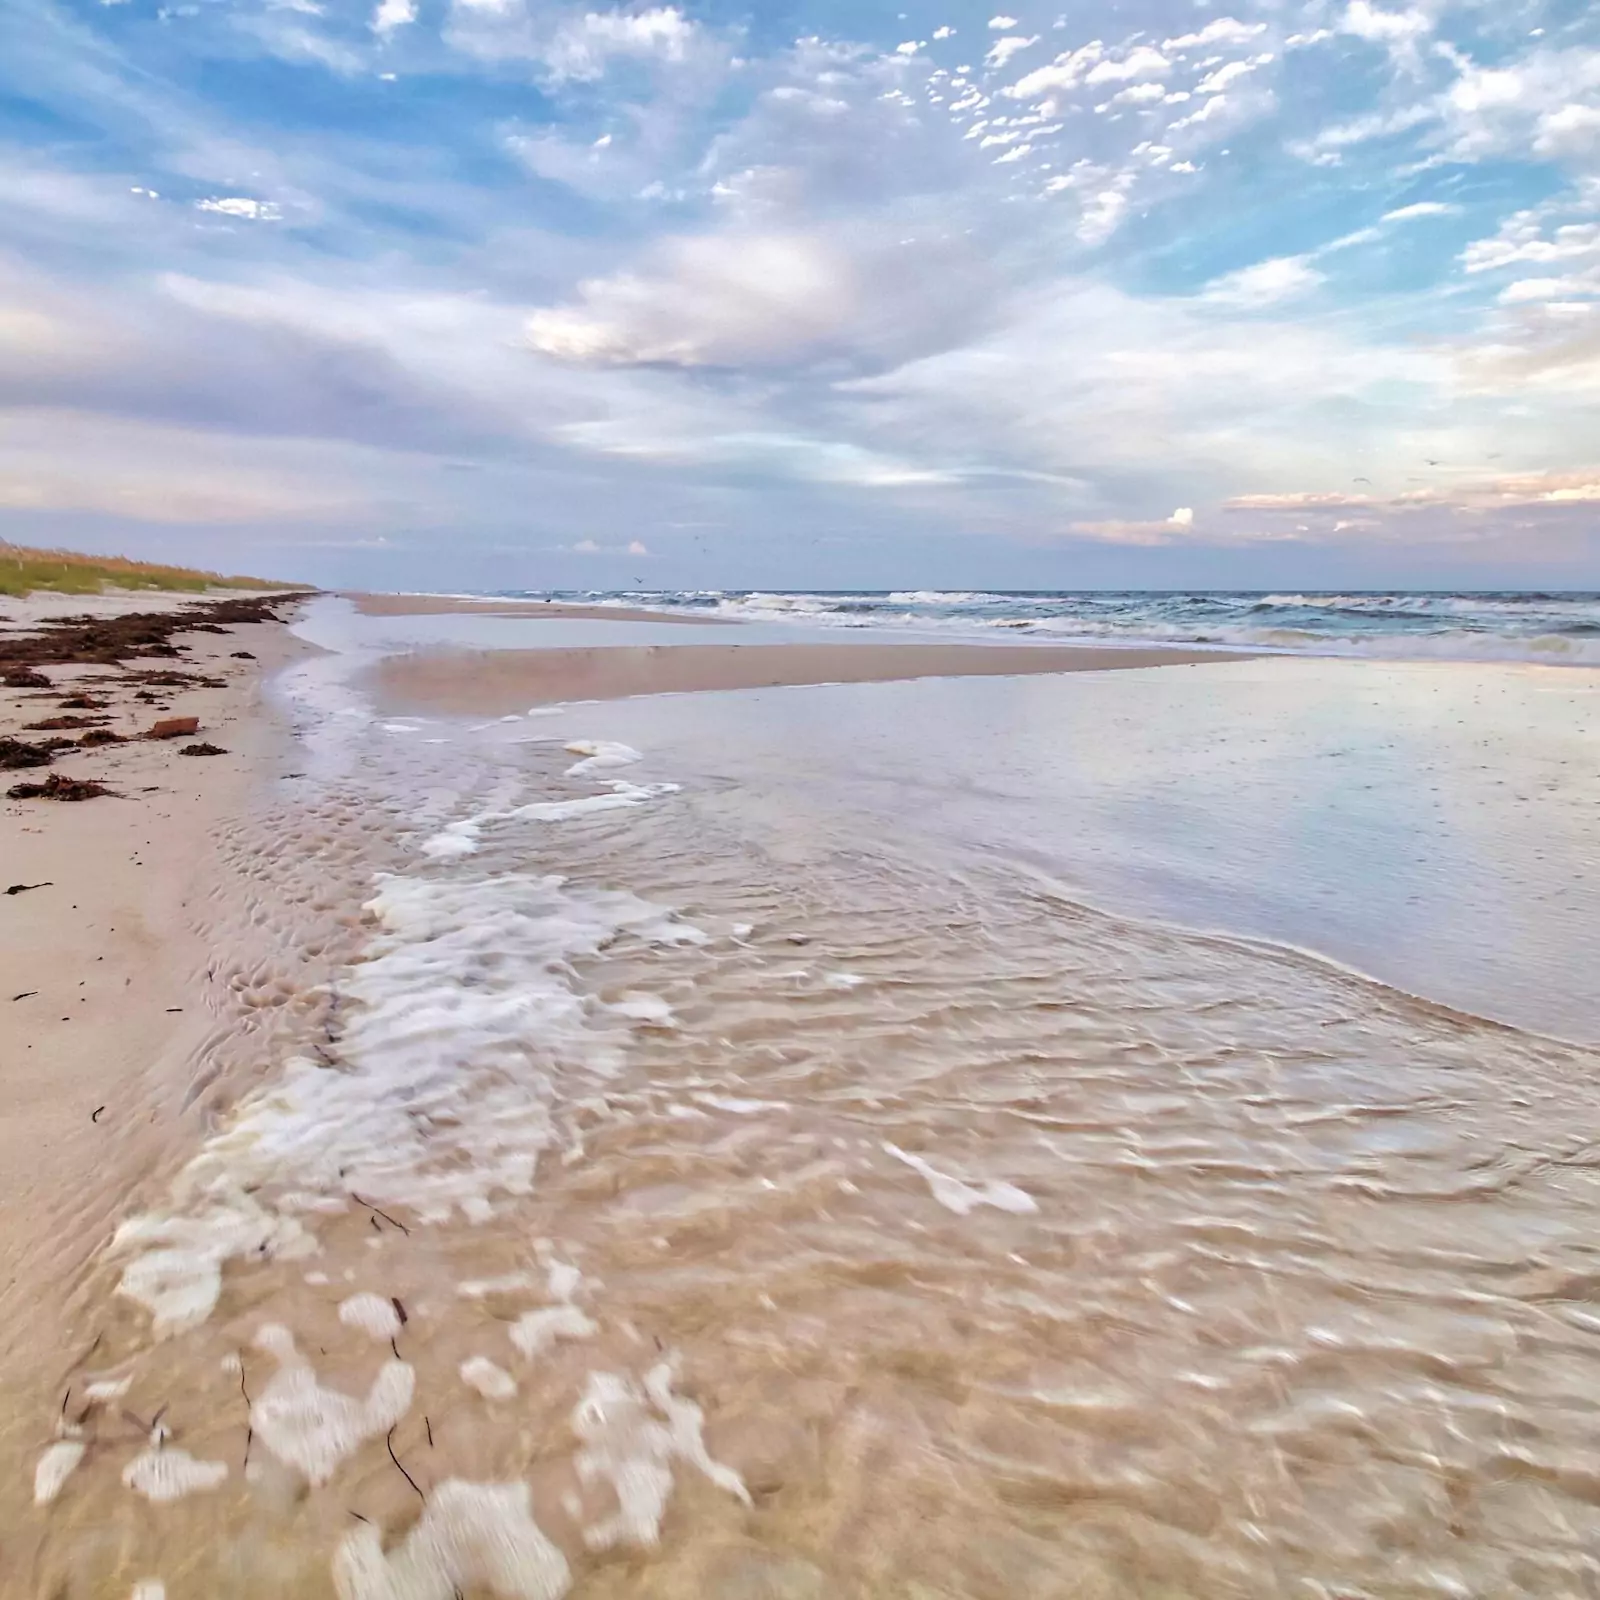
x=99 y=1001
x=437 y=605
x=489 y=682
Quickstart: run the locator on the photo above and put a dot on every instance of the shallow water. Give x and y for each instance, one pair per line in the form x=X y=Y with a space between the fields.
x=1431 y=825
x=853 y=1211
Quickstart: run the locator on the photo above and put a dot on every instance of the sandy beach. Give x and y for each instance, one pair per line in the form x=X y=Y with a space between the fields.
x=480 y=682
x=118 y=944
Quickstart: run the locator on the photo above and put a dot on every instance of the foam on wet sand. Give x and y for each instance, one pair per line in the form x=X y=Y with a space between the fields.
x=313 y=1428
x=470 y=1534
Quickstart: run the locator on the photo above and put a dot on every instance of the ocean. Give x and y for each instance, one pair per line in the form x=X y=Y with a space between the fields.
x=1554 y=627
x=1117 y=1133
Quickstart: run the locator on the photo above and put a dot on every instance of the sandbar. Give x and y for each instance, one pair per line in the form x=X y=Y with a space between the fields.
x=444 y=605
x=493 y=682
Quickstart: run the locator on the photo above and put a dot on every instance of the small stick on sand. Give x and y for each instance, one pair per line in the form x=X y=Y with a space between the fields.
x=388 y=1440
x=249 y=1427
x=378 y=1211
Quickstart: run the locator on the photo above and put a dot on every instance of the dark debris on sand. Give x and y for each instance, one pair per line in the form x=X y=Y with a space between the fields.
x=17 y=753
x=132 y=646
x=58 y=787
x=138 y=635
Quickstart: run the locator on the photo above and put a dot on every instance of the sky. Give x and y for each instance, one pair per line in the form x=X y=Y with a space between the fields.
x=489 y=294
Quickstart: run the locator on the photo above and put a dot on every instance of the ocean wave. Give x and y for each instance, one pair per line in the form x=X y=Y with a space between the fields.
x=1398 y=625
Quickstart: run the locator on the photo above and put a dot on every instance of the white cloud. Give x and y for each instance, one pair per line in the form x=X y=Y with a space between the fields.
x=1220 y=108
x=393 y=14
x=1118 y=531
x=712 y=300
x=242 y=207
x=1222 y=30
x=1216 y=82
x=592 y=547
x=1478 y=492
x=577 y=47
x=1065 y=72
x=1525 y=237
x=1003 y=49
x=584 y=47
x=579 y=164
x=1394 y=29
x=1326 y=147
x=278 y=33
x=944 y=33
x=1102 y=198
x=1569 y=131
x=1264 y=284
x=1143 y=61
x=1535 y=105
x=1571 y=286
x=1422 y=208
x=1000 y=24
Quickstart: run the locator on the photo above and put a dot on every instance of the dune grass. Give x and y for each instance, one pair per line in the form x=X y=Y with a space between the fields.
x=22 y=571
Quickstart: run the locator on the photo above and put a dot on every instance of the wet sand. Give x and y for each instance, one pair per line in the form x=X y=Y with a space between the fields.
x=443 y=605
x=494 y=682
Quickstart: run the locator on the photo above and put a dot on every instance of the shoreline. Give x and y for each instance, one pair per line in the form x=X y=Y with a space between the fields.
x=492 y=682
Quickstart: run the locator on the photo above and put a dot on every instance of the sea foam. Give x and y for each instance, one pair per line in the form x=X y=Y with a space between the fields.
x=456 y=1031
x=471 y=1535
x=631 y=1436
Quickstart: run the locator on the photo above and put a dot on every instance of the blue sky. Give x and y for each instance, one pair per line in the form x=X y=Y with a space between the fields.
x=499 y=293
